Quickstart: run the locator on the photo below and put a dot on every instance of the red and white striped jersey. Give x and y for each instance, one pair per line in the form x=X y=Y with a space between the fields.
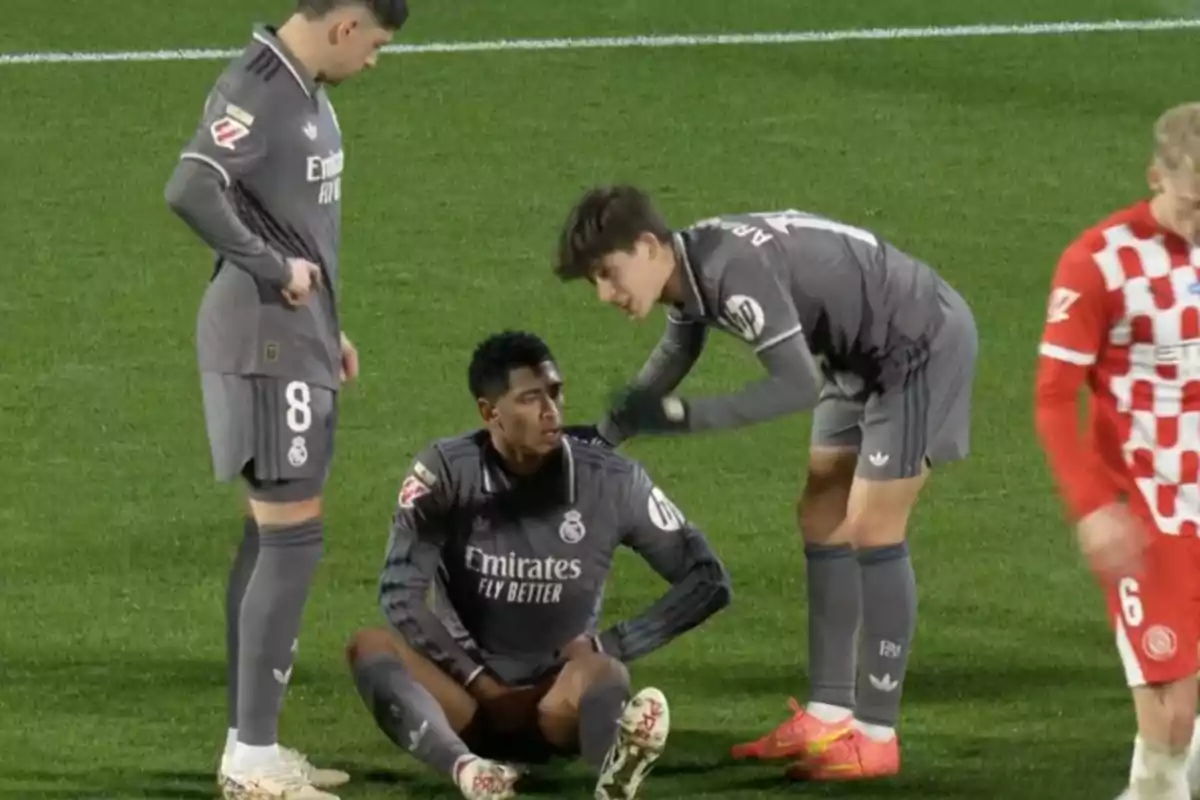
x=1124 y=318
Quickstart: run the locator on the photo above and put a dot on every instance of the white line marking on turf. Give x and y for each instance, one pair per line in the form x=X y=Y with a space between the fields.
x=785 y=37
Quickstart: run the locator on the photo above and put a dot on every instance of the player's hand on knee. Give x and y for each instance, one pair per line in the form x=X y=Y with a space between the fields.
x=1112 y=540
x=306 y=276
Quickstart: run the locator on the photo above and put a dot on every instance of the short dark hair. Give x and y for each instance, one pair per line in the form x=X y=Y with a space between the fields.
x=388 y=13
x=498 y=355
x=607 y=219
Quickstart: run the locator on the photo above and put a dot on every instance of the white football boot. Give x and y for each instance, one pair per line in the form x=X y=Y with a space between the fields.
x=641 y=738
x=317 y=776
x=279 y=780
x=482 y=779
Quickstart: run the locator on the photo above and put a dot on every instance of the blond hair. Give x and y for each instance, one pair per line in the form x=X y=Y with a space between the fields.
x=1177 y=139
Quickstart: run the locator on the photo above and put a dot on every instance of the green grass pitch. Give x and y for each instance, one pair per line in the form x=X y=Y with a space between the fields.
x=982 y=156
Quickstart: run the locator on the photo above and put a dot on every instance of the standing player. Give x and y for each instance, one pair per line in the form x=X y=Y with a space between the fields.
x=260 y=183
x=1124 y=320
x=815 y=298
x=512 y=529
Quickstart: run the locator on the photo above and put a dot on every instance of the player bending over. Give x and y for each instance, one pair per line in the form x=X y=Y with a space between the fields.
x=845 y=323
x=1124 y=320
x=511 y=531
x=260 y=183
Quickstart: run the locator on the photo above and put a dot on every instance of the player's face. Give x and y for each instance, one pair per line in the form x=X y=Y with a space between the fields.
x=528 y=417
x=355 y=38
x=1177 y=204
x=631 y=282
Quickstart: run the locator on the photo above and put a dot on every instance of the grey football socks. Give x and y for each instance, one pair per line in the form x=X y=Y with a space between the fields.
x=889 y=606
x=270 y=625
x=835 y=602
x=235 y=590
x=600 y=711
x=407 y=712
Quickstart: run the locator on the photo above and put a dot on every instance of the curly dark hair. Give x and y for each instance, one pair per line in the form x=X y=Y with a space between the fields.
x=498 y=355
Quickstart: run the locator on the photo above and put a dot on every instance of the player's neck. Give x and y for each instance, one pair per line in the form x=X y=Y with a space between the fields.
x=515 y=460
x=299 y=36
x=672 y=292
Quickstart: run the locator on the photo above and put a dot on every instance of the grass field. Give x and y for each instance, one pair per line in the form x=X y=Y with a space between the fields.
x=983 y=156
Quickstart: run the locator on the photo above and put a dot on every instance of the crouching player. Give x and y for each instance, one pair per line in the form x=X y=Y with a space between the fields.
x=511 y=531
x=1124 y=320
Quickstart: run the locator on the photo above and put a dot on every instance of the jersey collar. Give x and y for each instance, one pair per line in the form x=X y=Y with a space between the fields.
x=693 y=302
x=267 y=37
x=496 y=479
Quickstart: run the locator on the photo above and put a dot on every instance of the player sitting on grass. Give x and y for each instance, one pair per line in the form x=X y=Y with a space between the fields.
x=500 y=548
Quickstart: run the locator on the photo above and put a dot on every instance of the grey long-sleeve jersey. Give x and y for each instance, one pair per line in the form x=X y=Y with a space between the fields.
x=815 y=298
x=260 y=182
x=517 y=567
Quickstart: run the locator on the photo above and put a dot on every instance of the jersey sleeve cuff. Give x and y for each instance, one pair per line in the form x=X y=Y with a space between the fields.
x=1060 y=353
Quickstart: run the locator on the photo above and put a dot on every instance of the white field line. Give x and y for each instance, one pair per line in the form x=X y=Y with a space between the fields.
x=785 y=37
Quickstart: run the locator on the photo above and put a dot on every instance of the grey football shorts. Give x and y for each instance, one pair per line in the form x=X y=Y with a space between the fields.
x=278 y=434
x=923 y=421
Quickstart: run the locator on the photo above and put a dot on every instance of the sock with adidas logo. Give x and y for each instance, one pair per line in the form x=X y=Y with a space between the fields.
x=889 y=621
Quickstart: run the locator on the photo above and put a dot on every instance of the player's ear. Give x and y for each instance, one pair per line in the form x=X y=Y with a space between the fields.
x=1154 y=177
x=487 y=410
x=341 y=30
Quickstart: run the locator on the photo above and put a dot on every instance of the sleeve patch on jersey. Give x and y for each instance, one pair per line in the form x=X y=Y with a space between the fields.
x=240 y=114
x=663 y=513
x=1066 y=354
x=744 y=316
x=1061 y=301
x=425 y=474
x=226 y=131
x=412 y=490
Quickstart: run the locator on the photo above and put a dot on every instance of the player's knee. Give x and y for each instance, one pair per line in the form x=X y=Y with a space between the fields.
x=577 y=677
x=822 y=504
x=269 y=512
x=878 y=511
x=369 y=642
x=866 y=531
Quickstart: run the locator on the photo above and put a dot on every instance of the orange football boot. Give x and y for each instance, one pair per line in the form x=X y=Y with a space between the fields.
x=853 y=757
x=802 y=737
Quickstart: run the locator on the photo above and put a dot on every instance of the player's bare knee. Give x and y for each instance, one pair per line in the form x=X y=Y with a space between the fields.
x=370 y=642
x=878 y=511
x=601 y=667
x=285 y=513
x=1166 y=712
x=822 y=504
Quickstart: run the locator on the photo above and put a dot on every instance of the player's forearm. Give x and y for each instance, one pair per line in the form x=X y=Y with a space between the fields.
x=412 y=618
x=1082 y=479
x=793 y=385
x=703 y=590
x=666 y=366
x=673 y=357
x=196 y=194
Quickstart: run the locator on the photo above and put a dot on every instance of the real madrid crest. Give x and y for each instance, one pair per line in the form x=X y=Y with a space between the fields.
x=572 y=530
x=297 y=454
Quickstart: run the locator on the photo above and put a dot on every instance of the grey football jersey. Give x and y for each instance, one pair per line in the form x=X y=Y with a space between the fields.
x=517 y=565
x=864 y=307
x=814 y=297
x=260 y=182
